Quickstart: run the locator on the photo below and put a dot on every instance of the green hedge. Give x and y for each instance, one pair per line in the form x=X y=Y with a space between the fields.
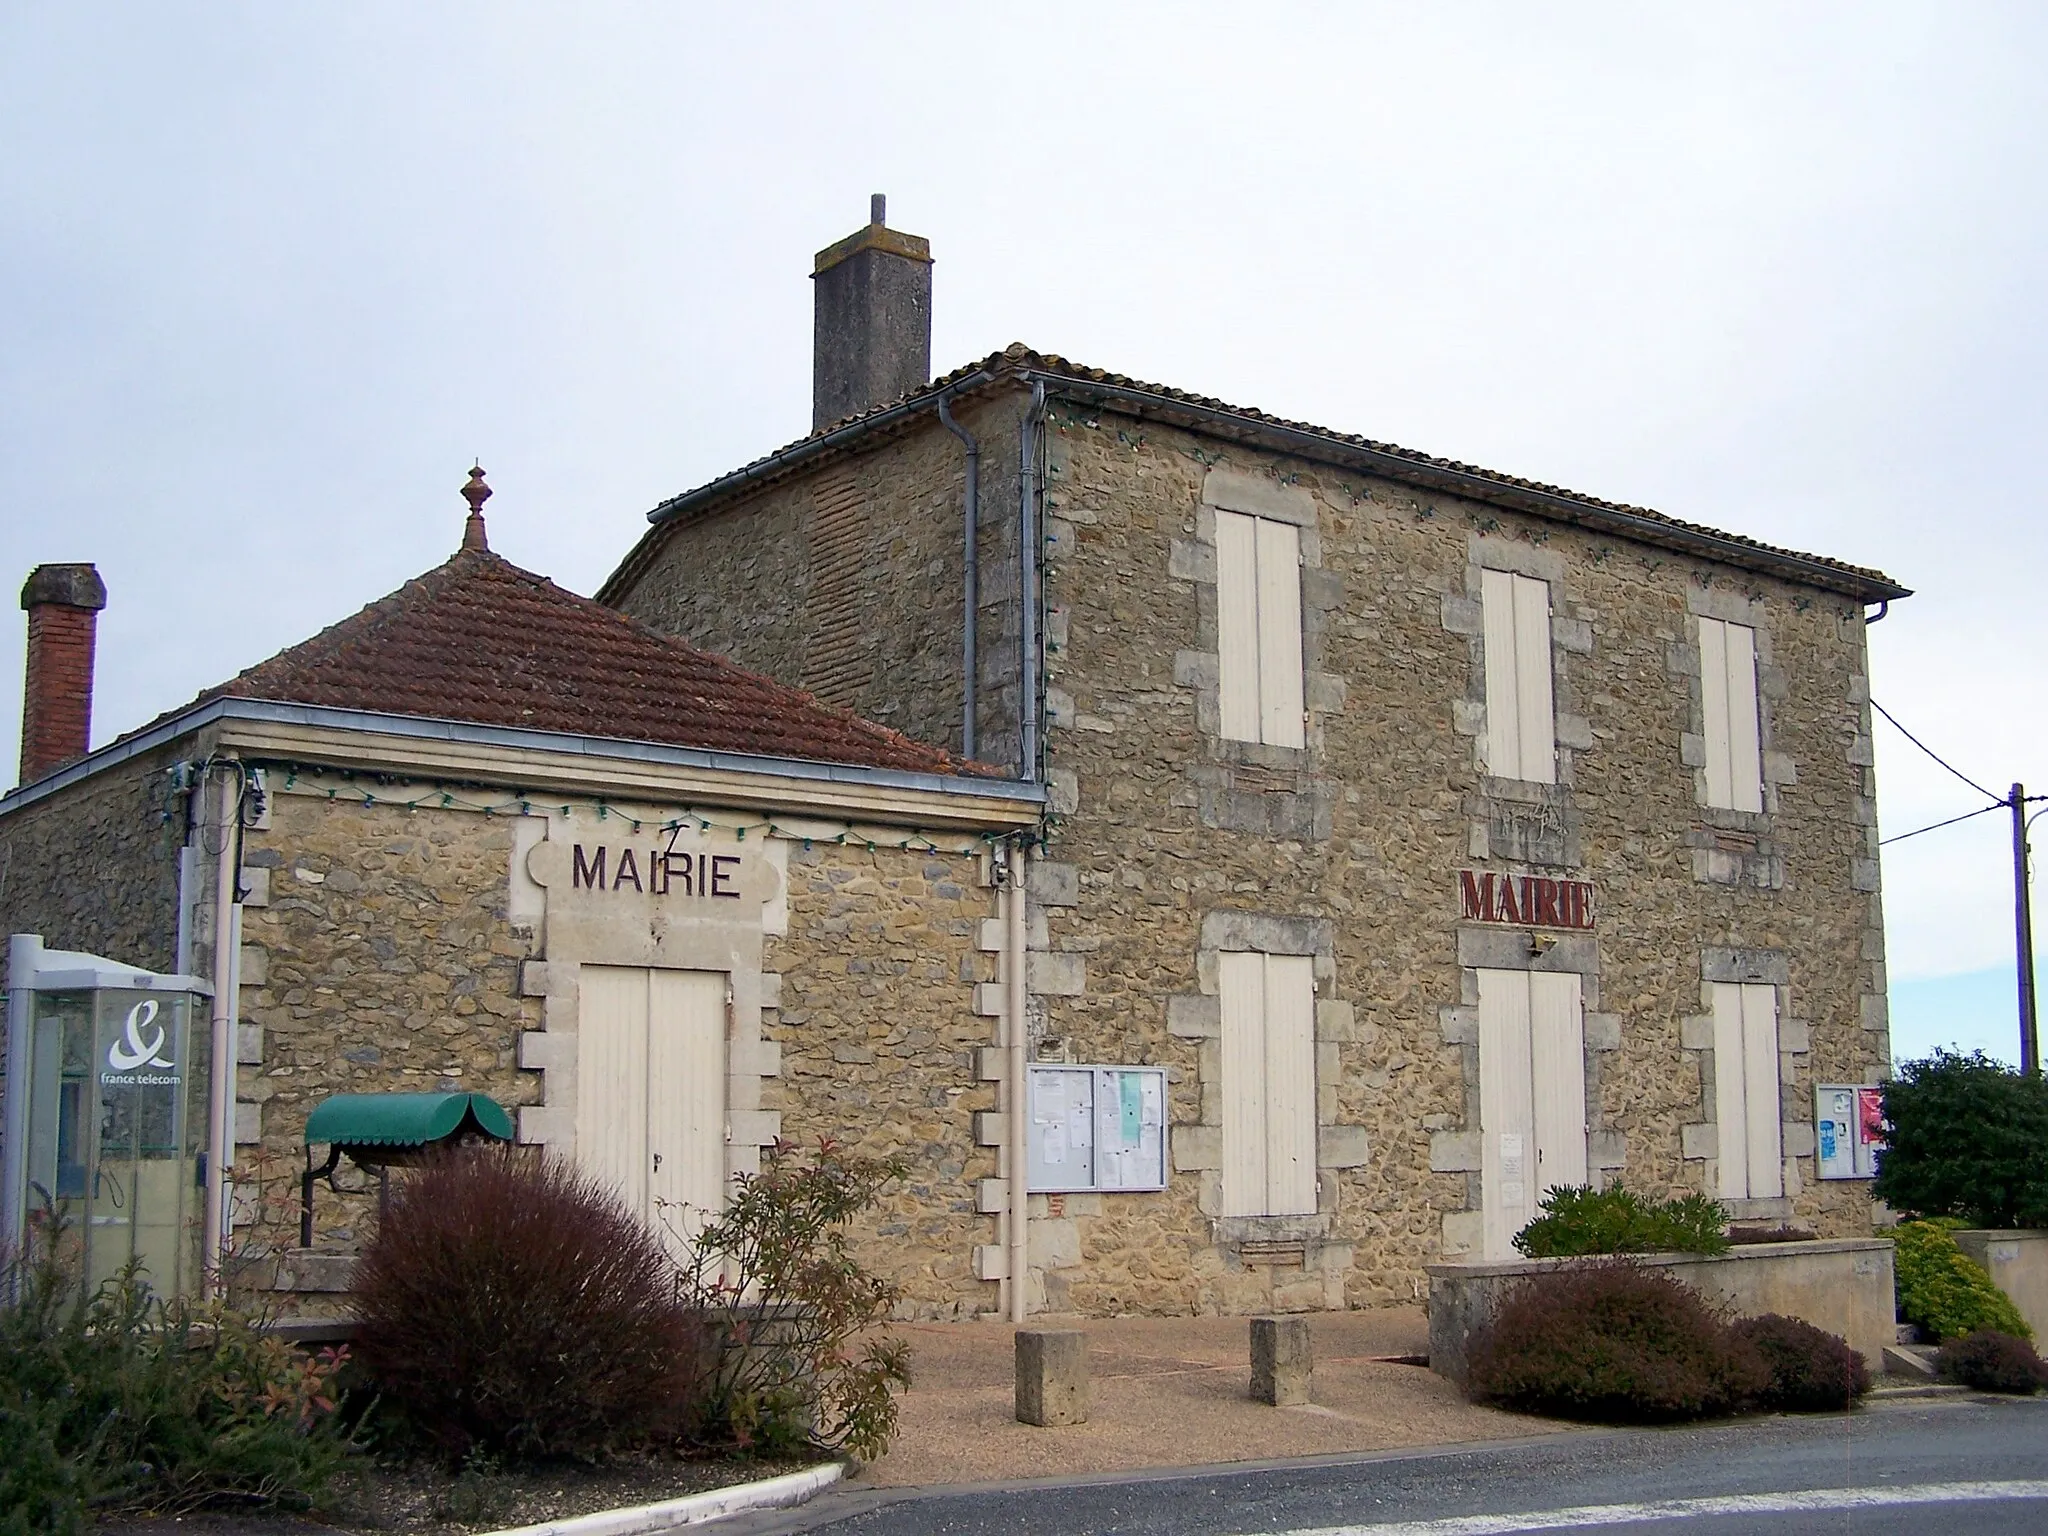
x=1578 y=1220
x=1945 y=1291
x=1965 y=1140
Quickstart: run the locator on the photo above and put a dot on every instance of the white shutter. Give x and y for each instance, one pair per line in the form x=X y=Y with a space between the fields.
x=1237 y=626
x=1728 y=710
x=1745 y=771
x=1280 y=686
x=1557 y=1049
x=685 y=1100
x=1731 y=1103
x=1503 y=733
x=1760 y=1091
x=1269 y=1084
x=611 y=1077
x=1507 y=1118
x=1241 y=981
x=1521 y=722
x=1290 y=1085
x=1535 y=719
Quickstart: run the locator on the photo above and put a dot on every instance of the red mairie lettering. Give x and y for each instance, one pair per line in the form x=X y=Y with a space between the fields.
x=1524 y=901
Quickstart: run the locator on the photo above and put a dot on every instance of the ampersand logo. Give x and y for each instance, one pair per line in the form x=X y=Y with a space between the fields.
x=132 y=1050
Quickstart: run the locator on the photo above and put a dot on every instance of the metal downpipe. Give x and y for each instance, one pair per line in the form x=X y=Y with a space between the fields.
x=970 y=645
x=1029 y=558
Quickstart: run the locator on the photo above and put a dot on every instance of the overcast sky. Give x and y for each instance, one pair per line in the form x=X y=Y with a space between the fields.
x=274 y=274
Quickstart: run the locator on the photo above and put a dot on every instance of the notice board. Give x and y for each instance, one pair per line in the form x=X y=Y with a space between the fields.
x=1096 y=1128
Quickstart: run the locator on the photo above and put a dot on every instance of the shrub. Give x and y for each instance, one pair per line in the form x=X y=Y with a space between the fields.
x=1811 y=1369
x=1945 y=1291
x=1612 y=1342
x=1784 y=1232
x=511 y=1306
x=805 y=1367
x=1992 y=1361
x=117 y=1397
x=1965 y=1136
x=1578 y=1220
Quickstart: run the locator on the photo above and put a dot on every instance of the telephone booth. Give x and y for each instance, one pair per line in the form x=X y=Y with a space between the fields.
x=105 y=1099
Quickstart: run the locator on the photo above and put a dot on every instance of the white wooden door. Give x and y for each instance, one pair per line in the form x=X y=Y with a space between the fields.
x=1746 y=1099
x=1269 y=1084
x=1532 y=1097
x=650 y=1095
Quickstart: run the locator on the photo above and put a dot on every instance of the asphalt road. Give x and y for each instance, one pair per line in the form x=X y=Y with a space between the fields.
x=1956 y=1466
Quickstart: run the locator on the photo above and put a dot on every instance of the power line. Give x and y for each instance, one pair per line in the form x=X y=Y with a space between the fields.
x=1951 y=767
x=1982 y=810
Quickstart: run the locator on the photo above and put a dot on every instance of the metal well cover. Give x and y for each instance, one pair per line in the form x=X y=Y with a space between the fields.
x=404 y=1119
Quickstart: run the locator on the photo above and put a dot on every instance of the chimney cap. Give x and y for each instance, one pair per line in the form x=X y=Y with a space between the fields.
x=875 y=235
x=68 y=586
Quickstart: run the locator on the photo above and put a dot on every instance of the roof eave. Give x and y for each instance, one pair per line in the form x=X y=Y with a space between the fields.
x=335 y=737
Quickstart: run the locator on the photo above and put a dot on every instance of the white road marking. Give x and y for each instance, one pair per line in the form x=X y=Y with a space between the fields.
x=1809 y=1500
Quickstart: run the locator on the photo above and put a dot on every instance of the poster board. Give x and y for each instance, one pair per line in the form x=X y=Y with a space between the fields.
x=1096 y=1129
x=1848 y=1123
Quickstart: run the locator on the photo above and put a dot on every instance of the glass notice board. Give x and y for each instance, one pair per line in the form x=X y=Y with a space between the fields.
x=1097 y=1128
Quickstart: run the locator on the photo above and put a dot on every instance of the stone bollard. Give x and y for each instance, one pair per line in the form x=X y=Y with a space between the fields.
x=1052 y=1376
x=1281 y=1362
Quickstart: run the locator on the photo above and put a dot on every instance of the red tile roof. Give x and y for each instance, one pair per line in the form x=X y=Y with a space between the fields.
x=482 y=641
x=1018 y=362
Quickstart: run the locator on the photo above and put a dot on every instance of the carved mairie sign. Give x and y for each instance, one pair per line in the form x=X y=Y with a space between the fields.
x=1524 y=901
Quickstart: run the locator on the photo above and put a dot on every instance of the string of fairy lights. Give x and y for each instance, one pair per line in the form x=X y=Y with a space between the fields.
x=427 y=793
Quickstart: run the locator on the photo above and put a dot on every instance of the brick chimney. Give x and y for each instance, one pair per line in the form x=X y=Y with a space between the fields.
x=873 y=320
x=63 y=604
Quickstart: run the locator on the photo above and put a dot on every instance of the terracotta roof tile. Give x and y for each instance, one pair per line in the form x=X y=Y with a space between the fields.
x=482 y=641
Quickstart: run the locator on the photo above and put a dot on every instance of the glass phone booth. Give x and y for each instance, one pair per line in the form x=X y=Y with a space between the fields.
x=105 y=1099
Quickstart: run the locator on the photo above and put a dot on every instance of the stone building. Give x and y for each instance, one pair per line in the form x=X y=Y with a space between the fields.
x=488 y=835
x=1442 y=835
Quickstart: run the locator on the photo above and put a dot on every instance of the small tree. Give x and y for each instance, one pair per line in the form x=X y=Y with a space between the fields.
x=1966 y=1139
x=804 y=1365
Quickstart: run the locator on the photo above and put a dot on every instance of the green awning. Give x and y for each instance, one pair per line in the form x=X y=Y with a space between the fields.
x=405 y=1119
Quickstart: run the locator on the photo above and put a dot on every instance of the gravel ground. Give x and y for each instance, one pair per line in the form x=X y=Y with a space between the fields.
x=1173 y=1392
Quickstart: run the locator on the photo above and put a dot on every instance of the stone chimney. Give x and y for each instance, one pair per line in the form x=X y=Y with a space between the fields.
x=874 y=320
x=63 y=604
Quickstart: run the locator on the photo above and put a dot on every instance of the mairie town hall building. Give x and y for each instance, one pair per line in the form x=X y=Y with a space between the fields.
x=1304 y=855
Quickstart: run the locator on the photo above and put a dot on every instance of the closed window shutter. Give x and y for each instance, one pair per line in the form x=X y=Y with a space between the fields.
x=1728 y=709
x=1746 y=1094
x=1269 y=1095
x=1521 y=726
x=1237 y=625
x=1290 y=1084
x=1258 y=621
x=1532 y=1097
x=1557 y=1052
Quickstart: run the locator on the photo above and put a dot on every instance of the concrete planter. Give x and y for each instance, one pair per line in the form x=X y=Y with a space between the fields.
x=2018 y=1263
x=1843 y=1285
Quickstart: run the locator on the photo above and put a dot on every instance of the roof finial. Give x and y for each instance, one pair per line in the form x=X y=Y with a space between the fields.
x=878 y=209
x=476 y=493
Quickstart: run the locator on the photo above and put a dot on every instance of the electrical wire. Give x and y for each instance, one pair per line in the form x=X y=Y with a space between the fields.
x=1982 y=810
x=1951 y=767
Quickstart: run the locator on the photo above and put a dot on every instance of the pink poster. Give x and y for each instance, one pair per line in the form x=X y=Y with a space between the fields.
x=1870 y=1112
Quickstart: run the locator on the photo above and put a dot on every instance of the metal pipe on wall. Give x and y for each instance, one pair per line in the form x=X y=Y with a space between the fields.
x=220 y=1103
x=970 y=647
x=1030 y=555
x=1016 y=1084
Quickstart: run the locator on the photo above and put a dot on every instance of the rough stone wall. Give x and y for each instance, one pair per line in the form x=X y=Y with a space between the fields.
x=95 y=865
x=848 y=581
x=879 y=1039
x=378 y=957
x=1161 y=823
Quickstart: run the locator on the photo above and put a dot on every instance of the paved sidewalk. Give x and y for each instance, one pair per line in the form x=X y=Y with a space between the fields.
x=1172 y=1392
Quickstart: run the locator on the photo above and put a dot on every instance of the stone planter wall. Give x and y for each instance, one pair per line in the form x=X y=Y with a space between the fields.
x=1843 y=1285
x=2018 y=1263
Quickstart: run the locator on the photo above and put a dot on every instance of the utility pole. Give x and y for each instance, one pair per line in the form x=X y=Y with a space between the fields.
x=2023 y=923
